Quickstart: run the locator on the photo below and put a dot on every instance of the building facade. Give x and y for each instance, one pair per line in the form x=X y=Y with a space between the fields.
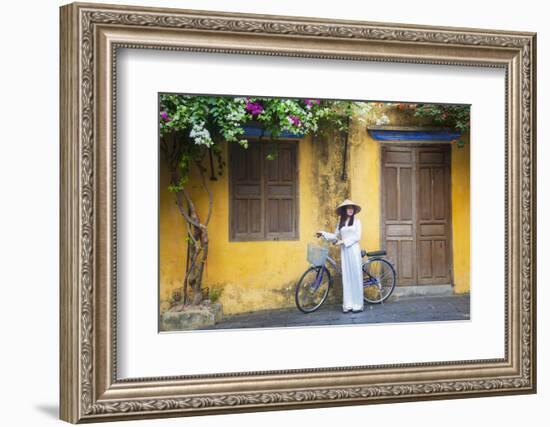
x=412 y=181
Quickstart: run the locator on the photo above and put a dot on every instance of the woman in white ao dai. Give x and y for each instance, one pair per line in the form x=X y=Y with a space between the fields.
x=348 y=235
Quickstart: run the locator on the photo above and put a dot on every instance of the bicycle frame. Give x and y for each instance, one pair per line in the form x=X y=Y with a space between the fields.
x=336 y=266
x=333 y=262
x=321 y=272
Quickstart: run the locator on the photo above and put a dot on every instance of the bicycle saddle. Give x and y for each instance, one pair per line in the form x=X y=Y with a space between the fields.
x=373 y=253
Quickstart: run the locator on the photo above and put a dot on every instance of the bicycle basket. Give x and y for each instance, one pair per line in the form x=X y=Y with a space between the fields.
x=316 y=255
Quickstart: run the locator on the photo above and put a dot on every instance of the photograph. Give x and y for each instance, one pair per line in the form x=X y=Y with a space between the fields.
x=261 y=211
x=282 y=212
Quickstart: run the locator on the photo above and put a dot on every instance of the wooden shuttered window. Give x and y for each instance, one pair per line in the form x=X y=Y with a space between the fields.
x=263 y=193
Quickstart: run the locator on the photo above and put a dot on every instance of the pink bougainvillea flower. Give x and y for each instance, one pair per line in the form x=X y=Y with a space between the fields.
x=311 y=102
x=164 y=116
x=254 y=108
x=294 y=120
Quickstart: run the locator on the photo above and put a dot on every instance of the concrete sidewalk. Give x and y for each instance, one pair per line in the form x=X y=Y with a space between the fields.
x=396 y=310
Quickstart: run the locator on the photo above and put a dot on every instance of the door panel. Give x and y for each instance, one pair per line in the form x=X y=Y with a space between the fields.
x=390 y=178
x=440 y=251
x=398 y=207
x=407 y=258
x=416 y=212
x=405 y=194
x=434 y=222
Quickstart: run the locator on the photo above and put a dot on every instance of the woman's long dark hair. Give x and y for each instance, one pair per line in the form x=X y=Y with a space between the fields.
x=344 y=216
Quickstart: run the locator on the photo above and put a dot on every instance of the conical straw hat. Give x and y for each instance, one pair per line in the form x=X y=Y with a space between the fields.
x=348 y=202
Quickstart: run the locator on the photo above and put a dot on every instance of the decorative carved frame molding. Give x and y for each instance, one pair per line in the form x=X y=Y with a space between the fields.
x=90 y=36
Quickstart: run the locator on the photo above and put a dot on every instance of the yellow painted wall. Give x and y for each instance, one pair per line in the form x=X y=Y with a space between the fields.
x=365 y=184
x=460 y=200
x=262 y=274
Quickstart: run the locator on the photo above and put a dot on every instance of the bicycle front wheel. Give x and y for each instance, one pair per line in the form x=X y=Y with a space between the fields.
x=378 y=280
x=312 y=289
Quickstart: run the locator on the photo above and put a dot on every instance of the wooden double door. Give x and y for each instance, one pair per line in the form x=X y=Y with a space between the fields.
x=416 y=212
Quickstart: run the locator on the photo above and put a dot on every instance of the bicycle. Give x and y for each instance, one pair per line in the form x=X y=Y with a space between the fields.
x=313 y=288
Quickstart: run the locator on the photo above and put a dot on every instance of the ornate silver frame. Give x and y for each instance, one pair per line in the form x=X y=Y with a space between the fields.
x=90 y=36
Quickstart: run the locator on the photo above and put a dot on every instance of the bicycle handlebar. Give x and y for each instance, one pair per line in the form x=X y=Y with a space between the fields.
x=332 y=242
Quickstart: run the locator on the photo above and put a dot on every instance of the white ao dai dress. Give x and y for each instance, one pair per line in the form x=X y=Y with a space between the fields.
x=352 y=273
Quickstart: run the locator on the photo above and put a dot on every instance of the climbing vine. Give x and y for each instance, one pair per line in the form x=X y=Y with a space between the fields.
x=452 y=116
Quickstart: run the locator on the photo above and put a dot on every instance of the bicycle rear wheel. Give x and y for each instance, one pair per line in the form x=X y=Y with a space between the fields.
x=378 y=280
x=312 y=289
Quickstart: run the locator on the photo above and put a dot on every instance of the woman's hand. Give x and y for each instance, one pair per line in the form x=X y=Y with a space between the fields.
x=318 y=234
x=339 y=242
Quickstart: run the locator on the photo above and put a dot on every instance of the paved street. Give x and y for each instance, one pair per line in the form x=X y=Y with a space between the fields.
x=413 y=309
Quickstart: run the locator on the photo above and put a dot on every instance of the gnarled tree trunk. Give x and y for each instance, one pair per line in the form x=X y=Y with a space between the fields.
x=174 y=146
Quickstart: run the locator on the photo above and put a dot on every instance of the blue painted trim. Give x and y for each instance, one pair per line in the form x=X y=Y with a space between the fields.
x=251 y=131
x=413 y=135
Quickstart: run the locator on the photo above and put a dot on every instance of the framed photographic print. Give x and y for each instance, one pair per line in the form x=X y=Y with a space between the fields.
x=269 y=212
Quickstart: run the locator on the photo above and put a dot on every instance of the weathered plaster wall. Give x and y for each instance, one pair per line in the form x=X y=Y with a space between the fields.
x=262 y=274
x=460 y=201
x=365 y=184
